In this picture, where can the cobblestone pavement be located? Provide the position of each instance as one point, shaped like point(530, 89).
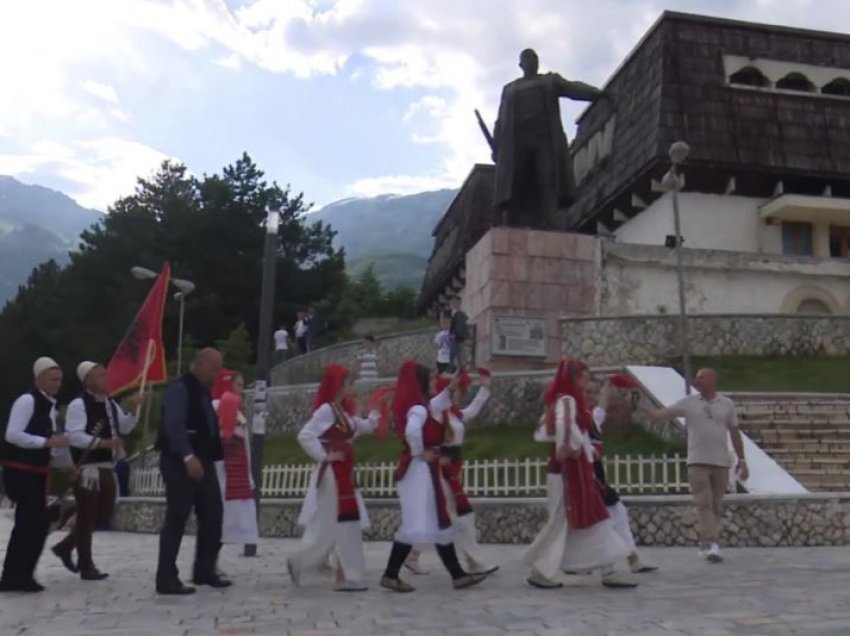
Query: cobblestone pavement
point(755, 592)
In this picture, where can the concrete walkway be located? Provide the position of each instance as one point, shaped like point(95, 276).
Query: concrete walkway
point(755, 592)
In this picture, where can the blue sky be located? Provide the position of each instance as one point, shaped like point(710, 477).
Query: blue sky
point(337, 97)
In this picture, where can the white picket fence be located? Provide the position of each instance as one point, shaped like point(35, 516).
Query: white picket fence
point(628, 474)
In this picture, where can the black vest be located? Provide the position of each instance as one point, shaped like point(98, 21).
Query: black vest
point(201, 423)
point(39, 424)
point(96, 412)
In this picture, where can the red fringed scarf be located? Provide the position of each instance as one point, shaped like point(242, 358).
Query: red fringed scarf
point(582, 498)
point(453, 474)
point(337, 439)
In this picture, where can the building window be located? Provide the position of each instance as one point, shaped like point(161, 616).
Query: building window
point(796, 82)
point(838, 86)
point(839, 242)
point(749, 76)
point(797, 239)
point(813, 306)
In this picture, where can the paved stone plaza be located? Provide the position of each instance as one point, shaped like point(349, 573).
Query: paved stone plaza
point(774, 591)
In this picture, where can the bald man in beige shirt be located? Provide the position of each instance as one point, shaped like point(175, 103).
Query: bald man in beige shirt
point(711, 420)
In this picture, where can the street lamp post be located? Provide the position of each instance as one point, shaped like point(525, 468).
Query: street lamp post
point(258, 423)
point(673, 182)
point(185, 288)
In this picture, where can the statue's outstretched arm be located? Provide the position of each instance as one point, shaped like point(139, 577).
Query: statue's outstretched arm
point(578, 90)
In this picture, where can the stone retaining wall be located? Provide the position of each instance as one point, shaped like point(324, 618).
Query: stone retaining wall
point(516, 400)
point(393, 349)
point(655, 339)
point(669, 520)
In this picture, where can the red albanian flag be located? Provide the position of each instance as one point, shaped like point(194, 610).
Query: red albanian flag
point(141, 355)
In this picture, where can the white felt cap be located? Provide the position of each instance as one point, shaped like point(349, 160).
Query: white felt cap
point(43, 364)
point(84, 368)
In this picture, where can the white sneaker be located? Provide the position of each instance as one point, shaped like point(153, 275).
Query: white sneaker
point(712, 555)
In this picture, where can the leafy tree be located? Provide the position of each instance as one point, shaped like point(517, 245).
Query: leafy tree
point(238, 352)
point(211, 229)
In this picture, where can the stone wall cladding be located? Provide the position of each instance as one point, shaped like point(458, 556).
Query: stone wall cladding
point(654, 339)
point(516, 399)
point(393, 349)
point(749, 521)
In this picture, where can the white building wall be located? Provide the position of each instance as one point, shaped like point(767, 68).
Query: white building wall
point(709, 221)
point(718, 283)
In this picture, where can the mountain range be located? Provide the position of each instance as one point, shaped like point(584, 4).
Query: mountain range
point(392, 233)
point(36, 224)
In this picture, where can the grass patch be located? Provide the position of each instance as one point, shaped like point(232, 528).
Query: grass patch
point(486, 443)
point(821, 374)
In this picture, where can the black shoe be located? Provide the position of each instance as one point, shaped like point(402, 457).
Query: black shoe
point(32, 586)
point(213, 581)
point(66, 558)
point(93, 575)
point(175, 588)
point(29, 586)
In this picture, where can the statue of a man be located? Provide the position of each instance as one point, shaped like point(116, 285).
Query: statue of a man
point(534, 177)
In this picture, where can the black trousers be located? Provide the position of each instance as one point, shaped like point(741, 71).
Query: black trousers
point(29, 492)
point(182, 494)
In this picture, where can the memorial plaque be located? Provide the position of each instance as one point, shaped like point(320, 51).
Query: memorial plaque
point(519, 336)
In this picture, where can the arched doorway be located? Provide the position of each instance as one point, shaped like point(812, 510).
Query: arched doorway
point(814, 307)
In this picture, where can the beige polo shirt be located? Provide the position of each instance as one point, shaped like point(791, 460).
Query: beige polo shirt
point(708, 423)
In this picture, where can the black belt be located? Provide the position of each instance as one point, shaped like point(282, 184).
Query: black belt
point(452, 452)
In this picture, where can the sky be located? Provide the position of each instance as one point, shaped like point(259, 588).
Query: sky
point(338, 98)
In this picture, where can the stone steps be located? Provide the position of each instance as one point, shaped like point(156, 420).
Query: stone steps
point(809, 436)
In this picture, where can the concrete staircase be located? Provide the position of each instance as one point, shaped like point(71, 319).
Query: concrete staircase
point(807, 434)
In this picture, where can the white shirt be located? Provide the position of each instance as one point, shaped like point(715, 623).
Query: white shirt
point(323, 418)
point(567, 431)
point(19, 418)
point(281, 340)
point(471, 411)
point(300, 329)
point(76, 420)
point(443, 341)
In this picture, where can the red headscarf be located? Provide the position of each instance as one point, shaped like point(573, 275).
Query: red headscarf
point(333, 381)
point(229, 402)
point(223, 382)
point(408, 393)
point(623, 381)
point(565, 383)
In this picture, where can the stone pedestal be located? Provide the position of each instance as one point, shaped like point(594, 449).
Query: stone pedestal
point(535, 274)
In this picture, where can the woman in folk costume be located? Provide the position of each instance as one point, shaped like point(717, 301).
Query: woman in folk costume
point(425, 515)
point(616, 400)
point(237, 483)
point(333, 514)
point(579, 535)
point(454, 420)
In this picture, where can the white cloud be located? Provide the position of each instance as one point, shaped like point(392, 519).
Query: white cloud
point(398, 184)
point(103, 169)
point(458, 53)
point(233, 62)
point(102, 91)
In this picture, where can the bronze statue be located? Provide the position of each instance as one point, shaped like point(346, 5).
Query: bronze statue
point(534, 177)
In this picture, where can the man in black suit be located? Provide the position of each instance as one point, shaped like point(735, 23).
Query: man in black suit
point(190, 443)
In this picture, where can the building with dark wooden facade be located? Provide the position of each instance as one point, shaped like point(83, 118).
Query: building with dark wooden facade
point(766, 113)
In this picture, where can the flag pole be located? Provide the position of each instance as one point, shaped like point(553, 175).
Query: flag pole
point(148, 362)
point(151, 354)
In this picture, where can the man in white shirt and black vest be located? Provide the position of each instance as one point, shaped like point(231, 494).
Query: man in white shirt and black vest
point(189, 443)
point(31, 444)
point(94, 423)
